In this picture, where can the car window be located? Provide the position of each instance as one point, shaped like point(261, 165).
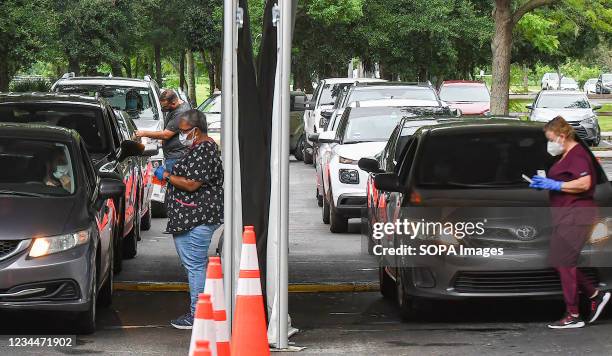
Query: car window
point(376, 128)
point(606, 77)
point(563, 101)
point(481, 159)
point(124, 126)
point(468, 93)
point(115, 131)
point(87, 121)
point(406, 158)
point(329, 92)
point(211, 105)
point(377, 93)
point(90, 174)
point(37, 167)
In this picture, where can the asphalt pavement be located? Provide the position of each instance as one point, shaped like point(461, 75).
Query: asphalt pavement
point(360, 323)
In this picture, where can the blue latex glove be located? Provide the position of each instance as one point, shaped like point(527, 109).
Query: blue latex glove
point(545, 183)
point(159, 173)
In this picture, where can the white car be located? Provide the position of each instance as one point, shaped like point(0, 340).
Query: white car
point(590, 86)
point(568, 83)
point(361, 132)
point(148, 116)
point(211, 107)
point(574, 107)
point(324, 98)
point(549, 81)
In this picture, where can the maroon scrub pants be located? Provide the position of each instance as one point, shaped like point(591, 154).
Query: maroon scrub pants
point(571, 281)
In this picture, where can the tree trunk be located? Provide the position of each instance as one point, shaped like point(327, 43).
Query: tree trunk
point(74, 66)
point(191, 80)
point(137, 67)
point(216, 58)
point(525, 78)
point(210, 70)
point(501, 47)
point(560, 77)
point(116, 69)
point(127, 64)
point(158, 67)
point(182, 81)
point(4, 76)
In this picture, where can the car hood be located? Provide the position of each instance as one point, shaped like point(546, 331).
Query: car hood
point(212, 117)
point(356, 151)
point(24, 217)
point(545, 115)
point(470, 108)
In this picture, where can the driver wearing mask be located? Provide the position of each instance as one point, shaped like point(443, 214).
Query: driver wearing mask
point(133, 101)
point(58, 171)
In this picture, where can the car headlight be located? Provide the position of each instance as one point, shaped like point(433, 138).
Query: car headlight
point(589, 121)
point(349, 176)
point(43, 246)
point(487, 113)
point(345, 160)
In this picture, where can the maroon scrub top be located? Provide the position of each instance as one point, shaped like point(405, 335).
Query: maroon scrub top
point(573, 215)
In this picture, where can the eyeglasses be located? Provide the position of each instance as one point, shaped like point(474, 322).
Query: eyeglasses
point(187, 131)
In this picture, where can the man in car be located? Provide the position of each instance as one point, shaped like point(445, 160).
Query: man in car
point(172, 147)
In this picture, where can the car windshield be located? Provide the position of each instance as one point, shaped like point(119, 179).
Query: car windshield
point(464, 93)
point(330, 92)
point(211, 105)
point(566, 80)
point(482, 159)
point(553, 76)
point(591, 81)
point(371, 128)
point(606, 77)
point(138, 102)
point(414, 93)
point(35, 168)
point(563, 101)
point(86, 120)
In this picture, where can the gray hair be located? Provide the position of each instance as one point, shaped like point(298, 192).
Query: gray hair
point(196, 118)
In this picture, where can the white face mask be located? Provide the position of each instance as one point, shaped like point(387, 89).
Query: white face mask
point(60, 171)
point(184, 140)
point(554, 148)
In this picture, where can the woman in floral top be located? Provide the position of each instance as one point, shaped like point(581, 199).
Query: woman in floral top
point(195, 203)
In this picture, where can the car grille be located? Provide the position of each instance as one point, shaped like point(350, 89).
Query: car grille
point(525, 281)
point(580, 131)
point(7, 247)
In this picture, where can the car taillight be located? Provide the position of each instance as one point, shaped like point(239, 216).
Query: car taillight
point(415, 198)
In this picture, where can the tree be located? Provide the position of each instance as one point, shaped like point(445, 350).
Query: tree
point(23, 37)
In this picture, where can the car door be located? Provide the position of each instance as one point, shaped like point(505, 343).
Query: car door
point(105, 216)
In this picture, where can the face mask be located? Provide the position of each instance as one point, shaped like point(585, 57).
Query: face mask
point(554, 148)
point(60, 171)
point(184, 140)
point(131, 104)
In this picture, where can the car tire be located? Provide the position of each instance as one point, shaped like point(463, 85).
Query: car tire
point(597, 140)
point(307, 156)
point(298, 153)
point(130, 244)
point(319, 199)
point(105, 296)
point(145, 221)
point(159, 209)
point(407, 310)
point(85, 322)
point(338, 223)
point(386, 283)
point(325, 211)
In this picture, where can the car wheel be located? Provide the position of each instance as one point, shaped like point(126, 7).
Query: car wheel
point(85, 322)
point(105, 297)
point(145, 222)
point(325, 211)
point(386, 283)
point(338, 223)
point(159, 209)
point(130, 245)
point(299, 149)
point(405, 302)
point(307, 156)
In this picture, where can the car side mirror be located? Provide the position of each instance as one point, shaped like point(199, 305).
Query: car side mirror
point(596, 106)
point(529, 106)
point(456, 112)
point(388, 182)
point(108, 170)
point(107, 189)
point(369, 165)
point(130, 148)
point(298, 103)
point(150, 150)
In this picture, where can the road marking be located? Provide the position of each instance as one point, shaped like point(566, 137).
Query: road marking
point(135, 286)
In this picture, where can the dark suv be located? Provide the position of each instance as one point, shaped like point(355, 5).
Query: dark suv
point(96, 122)
point(469, 174)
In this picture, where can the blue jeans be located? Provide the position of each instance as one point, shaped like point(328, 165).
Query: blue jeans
point(192, 248)
point(170, 164)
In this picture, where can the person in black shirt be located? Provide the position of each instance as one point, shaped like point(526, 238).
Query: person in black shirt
point(172, 147)
point(195, 203)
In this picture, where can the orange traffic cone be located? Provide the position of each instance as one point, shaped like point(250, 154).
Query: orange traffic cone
point(203, 325)
point(249, 334)
point(214, 287)
point(201, 348)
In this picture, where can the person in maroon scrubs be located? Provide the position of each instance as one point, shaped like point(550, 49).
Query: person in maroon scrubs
point(571, 184)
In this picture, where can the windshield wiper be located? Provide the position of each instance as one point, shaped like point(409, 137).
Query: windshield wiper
point(22, 194)
point(350, 142)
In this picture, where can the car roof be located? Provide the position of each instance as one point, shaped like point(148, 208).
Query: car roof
point(38, 131)
point(463, 83)
point(561, 92)
point(57, 98)
point(495, 123)
point(393, 102)
point(111, 81)
point(351, 80)
point(421, 85)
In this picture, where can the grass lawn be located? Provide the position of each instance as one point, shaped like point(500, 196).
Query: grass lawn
point(605, 122)
point(201, 92)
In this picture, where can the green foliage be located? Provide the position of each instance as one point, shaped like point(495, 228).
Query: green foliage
point(333, 11)
point(30, 85)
